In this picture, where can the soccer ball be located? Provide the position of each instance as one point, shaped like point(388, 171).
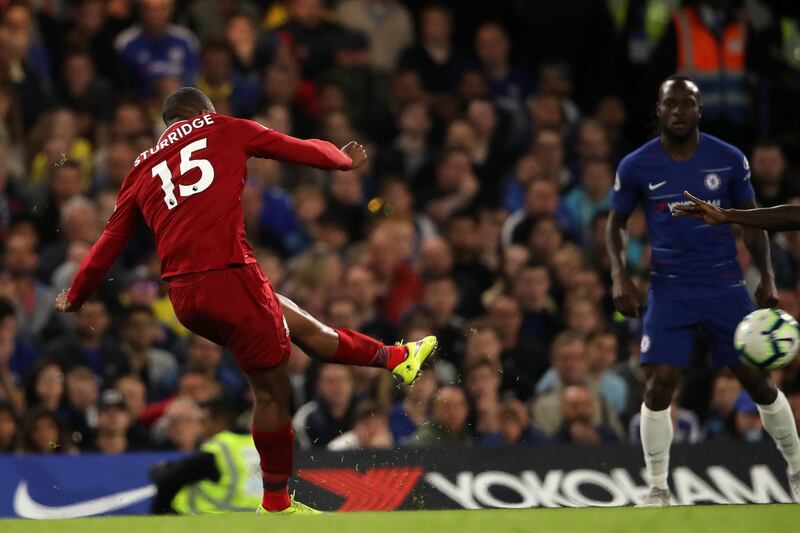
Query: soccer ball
point(767, 339)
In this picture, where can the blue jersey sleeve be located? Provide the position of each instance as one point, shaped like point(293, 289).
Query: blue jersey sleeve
point(742, 192)
point(625, 196)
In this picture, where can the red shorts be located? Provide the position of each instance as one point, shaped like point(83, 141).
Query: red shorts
point(237, 309)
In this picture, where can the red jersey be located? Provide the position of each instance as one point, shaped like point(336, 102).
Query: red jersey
point(188, 189)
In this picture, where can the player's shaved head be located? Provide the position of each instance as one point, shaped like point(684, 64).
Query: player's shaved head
point(677, 80)
point(185, 103)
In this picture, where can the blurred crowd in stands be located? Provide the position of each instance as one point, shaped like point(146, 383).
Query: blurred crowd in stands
point(494, 128)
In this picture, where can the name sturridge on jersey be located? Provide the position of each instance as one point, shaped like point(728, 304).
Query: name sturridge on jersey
point(176, 134)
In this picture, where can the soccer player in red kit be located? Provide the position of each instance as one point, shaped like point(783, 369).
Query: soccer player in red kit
point(187, 188)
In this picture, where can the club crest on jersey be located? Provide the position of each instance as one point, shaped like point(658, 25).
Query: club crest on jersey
point(645, 343)
point(712, 182)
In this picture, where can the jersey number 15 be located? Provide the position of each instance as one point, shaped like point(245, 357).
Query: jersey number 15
point(187, 163)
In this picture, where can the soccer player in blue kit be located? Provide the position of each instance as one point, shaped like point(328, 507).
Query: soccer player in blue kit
point(695, 281)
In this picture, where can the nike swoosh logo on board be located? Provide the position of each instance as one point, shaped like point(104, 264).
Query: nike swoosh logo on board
point(26, 507)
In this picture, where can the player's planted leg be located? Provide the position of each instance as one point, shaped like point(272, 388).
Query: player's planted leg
point(776, 417)
point(348, 347)
point(656, 430)
point(274, 439)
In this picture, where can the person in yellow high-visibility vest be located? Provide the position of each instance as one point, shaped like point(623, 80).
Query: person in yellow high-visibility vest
point(223, 476)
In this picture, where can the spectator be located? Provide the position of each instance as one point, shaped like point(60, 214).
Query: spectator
point(545, 238)
point(482, 378)
point(470, 269)
point(320, 421)
point(360, 285)
point(81, 404)
point(512, 258)
point(386, 23)
point(434, 56)
point(16, 358)
point(515, 428)
point(86, 93)
point(527, 170)
point(209, 18)
point(570, 364)
point(134, 393)
point(204, 356)
point(578, 412)
point(601, 349)
point(139, 332)
point(231, 92)
point(406, 416)
point(483, 342)
point(409, 153)
point(45, 386)
point(524, 360)
point(9, 429)
point(582, 315)
point(548, 148)
point(540, 316)
point(724, 393)
point(441, 298)
point(43, 433)
point(370, 430)
point(592, 196)
point(113, 423)
point(90, 343)
point(541, 200)
point(32, 298)
point(448, 423)
point(400, 287)
point(772, 180)
point(744, 423)
point(79, 224)
point(508, 86)
point(241, 34)
point(61, 141)
point(308, 32)
point(346, 203)
point(181, 427)
point(154, 48)
point(453, 188)
point(18, 71)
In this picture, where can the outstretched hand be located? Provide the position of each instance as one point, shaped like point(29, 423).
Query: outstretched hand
point(62, 302)
point(702, 210)
point(356, 153)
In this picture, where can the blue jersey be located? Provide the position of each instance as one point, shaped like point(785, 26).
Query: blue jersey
point(176, 53)
point(690, 259)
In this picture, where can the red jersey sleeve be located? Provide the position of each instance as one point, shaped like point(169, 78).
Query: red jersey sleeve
point(260, 141)
point(120, 228)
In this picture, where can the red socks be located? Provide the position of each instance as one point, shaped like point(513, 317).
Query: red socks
point(360, 350)
point(276, 450)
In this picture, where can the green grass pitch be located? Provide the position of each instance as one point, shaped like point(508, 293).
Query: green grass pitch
point(729, 519)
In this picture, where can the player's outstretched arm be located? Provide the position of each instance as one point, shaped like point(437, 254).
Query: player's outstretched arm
point(264, 142)
point(625, 293)
point(91, 272)
point(122, 225)
point(779, 218)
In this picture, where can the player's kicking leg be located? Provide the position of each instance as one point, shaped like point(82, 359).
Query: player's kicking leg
point(656, 429)
point(776, 417)
point(347, 347)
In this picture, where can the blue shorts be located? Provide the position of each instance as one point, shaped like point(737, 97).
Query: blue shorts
point(670, 326)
